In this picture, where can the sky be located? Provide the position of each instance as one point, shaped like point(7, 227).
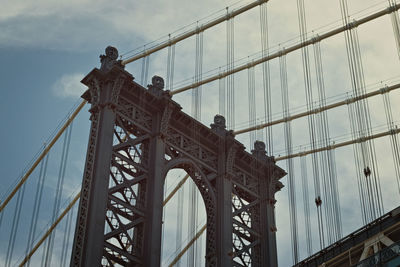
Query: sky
point(47, 47)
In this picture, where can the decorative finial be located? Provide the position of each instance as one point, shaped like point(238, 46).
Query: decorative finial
point(260, 152)
point(259, 146)
point(157, 85)
point(219, 124)
point(110, 59)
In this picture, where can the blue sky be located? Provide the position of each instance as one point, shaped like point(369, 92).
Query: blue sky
point(47, 47)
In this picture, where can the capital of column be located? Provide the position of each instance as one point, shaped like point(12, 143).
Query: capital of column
point(104, 84)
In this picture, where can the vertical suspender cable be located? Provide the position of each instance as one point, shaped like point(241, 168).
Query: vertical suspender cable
point(170, 67)
point(169, 85)
point(179, 222)
point(14, 227)
point(37, 204)
point(230, 88)
point(338, 216)
point(145, 69)
point(311, 117)
point(266, 76)
point(252, 103)
point(327, 160)
point(192, 211)
point(394, 141)
point(221, 97)
point(196, 112)
point(290, 167)
point(58, 196)
point(365, 210)
point(355, 116)
point(396, 25)
point(163, 220)
point(67, 236)
point(366, 155)
point(306, 204)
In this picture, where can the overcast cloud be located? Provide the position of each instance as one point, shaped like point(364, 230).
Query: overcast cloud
point(89, 26)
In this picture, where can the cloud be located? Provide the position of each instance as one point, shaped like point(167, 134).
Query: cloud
point(81, 25)
point(69, 85)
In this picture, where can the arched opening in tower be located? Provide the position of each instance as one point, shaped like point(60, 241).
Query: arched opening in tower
point(184, 221)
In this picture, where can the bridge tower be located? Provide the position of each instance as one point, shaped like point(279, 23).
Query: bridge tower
point(137, 135)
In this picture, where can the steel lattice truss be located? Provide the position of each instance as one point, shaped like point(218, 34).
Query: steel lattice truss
point(137, 135)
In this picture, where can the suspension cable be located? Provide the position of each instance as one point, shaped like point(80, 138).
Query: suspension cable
point(302, 154)
point(191, 242)
point(179, 220)
point(289, 162)
point(71, 204)
point(266, 76)
point(320, 109)
point(221, 97)
point(58, 195)
point(42, 155)
point(66, 239)
point(252, 103)
point(396, 25)
point(288, 50)
point(327, 160)
point(14, 227)
point(307, 224)
point(342, 144)
point(311, 118)
point(37, 204)
point(170, 67)
point(195, 31)
point(173, 192)
point(230, 83)
point(394, 141)
point(145, 71)
point(49, 231)
point(366, 155)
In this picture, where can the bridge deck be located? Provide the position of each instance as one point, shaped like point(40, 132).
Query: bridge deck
point(348, 250)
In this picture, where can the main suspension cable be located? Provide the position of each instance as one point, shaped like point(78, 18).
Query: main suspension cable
point(288, 50)
point(193, 32)
point(321, 108)
point(42, 155)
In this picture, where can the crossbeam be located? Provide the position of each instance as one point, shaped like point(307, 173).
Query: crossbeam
point(198, 29)
point(290, 49)
point(382, 90)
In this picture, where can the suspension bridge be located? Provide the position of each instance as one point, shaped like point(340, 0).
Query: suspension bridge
point(285, 153)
